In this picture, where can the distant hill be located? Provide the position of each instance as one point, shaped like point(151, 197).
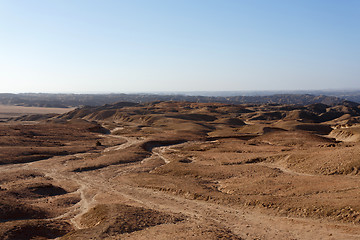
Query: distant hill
point(346, 112)
point(77, 100)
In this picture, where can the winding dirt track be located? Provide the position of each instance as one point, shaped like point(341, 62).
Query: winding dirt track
point(281, 165)
point(247, 223)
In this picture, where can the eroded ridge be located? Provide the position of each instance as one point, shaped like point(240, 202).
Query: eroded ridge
point(183, 171)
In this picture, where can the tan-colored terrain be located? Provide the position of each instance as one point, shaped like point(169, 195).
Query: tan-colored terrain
point(11, 111)
point(180, 170)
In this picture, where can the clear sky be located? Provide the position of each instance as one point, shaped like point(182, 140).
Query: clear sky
point(178, 45)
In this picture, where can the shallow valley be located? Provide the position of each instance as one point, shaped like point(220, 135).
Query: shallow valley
point(182, 170)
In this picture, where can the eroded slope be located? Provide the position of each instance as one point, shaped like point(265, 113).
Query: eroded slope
point(155, 170)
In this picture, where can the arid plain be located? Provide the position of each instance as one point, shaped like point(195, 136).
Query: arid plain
point(182, 170)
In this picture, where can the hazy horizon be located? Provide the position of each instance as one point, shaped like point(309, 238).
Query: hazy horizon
point(330, 92)
point(186, 46)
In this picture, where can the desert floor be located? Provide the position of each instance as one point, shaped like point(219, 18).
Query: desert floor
point(170, 170)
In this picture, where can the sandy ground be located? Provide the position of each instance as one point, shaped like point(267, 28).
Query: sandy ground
point(164, 178)
point(108, 186)
point(8, 111)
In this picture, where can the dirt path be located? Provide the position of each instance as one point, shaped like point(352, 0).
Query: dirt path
point(283, 167)
point(247, 223)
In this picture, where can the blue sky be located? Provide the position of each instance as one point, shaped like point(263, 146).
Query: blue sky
point(198, 45)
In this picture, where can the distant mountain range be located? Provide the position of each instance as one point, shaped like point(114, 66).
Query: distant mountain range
point(77, 100)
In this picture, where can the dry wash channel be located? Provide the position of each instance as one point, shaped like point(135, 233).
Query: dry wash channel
point(171, 170)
